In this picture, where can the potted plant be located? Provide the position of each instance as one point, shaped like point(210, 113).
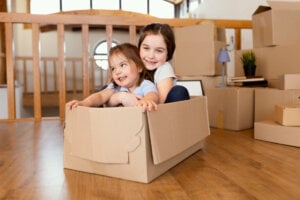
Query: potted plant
point(248, 59)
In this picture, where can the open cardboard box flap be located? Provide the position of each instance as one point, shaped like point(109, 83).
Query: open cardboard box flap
point(108, 135)
point(174, 130)
point(103, 136)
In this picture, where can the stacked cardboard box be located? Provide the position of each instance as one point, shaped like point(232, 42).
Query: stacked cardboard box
point(231, 108)
point(277, 113)
point(197, 48)
point(276, 41)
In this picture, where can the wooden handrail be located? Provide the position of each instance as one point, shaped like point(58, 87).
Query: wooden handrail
point(83, 19)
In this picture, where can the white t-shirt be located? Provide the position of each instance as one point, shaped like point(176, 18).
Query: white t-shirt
point(164, 71)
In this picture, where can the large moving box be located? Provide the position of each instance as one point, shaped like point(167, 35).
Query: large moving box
point(231, 108)
point(125, 143)
point(197, 49)
point(271, 131)
point(267, 98)
point(276, 25)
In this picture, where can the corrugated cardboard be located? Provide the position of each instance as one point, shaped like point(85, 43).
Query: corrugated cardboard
point(278, 24)
point(267, 98)
point(272, 62)
point(289, 81)
point(287, 114)
point(231, 108)
point(197, 50)
point(272, 132)
point(125, 143)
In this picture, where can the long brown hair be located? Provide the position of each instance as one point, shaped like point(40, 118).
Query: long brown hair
point(166, 31)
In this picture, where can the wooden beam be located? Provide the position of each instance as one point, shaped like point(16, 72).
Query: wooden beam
point(36, 72)
point(3, 8)
point(10, 71)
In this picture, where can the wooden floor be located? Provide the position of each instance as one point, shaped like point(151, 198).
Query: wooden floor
point(232, 165)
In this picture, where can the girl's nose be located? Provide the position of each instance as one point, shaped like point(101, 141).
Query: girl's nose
point(151, 54)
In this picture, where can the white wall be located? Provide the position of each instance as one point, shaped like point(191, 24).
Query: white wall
point(227, 9)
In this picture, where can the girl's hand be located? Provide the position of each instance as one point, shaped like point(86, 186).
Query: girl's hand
point(73, 104)
point(122, 98)
point(147, 105)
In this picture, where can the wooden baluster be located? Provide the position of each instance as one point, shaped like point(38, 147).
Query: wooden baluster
point(62, 71)
point(45, 76)
point(55, 75)
point(109, 35)
point(36, 72)
point(25, 88)
point(10, 72)
point(85, 61)
point(74, 80)
point(92, 88)
point(132, 34)
point(237, 32)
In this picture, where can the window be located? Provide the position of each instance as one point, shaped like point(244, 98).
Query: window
point(101, 54)
point(157, 8)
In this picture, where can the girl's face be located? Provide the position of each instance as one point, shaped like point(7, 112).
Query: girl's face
point(153, 51)
point(124, 72)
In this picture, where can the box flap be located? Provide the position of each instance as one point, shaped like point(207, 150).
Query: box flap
point(177, 126)
point(284, 5)
point(106, 134)
point(261, 9)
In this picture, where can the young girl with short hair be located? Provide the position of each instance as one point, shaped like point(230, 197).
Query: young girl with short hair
point(128, 86)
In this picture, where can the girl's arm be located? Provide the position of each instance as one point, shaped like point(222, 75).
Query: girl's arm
point(96, 99)
point(122, 98)
point(163, 88)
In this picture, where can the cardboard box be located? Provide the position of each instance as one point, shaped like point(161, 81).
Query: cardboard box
point(267, 98)
point(287, 114)
point(125, 143)
point(231, 108)
point(272, 62)
point(197, 50)
point(289, 81)
point(278, 24)
point(272, 132)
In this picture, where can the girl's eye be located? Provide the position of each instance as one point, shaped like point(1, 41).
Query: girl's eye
point(112, 69)
point(160, 50)
point(146, 48)
point(122, 65)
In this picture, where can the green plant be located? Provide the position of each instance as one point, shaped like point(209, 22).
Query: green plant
point(248, 58)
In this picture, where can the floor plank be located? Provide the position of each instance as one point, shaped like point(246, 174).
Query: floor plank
point(232, 165)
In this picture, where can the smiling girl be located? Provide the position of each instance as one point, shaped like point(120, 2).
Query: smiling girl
point(128, 86)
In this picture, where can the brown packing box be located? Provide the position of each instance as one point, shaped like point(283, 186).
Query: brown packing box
point(289, 81)
point(278, 24)
point(272, 62)
point(287, 114)
point(231, 108)
point(197, 49)
point(271, 131)
point(125, 143)
point(267, 98)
